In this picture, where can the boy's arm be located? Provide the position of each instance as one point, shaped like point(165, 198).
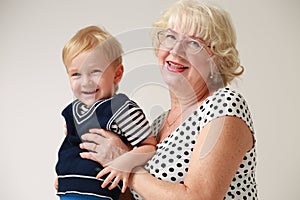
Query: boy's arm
point(121, 167)
point(140, 155)
point(130, 121)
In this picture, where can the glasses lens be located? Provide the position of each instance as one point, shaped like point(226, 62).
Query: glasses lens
point(193, 46)
point(167, 39)
point(160, 36)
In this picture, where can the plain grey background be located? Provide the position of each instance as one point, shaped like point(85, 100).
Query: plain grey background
point(34, 86)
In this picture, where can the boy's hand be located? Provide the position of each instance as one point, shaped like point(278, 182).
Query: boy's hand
point(56, 184)
point(65, 129)
point(114, 178)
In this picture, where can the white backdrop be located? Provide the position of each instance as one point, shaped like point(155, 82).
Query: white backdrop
point(34, 86)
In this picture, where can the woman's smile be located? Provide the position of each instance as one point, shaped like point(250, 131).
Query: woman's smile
point(175, 67)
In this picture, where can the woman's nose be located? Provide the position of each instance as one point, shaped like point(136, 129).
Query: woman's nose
point(178, 49)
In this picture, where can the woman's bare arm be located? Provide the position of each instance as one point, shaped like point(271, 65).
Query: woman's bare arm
point(210, 172)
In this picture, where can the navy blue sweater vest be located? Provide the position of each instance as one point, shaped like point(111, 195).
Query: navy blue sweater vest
point(77, 175)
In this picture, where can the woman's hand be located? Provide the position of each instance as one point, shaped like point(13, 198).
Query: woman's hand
point(103, 146)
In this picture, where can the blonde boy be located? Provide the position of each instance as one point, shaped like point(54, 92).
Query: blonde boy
point(94, 65)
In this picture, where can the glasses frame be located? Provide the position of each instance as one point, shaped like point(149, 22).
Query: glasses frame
point(186, 38)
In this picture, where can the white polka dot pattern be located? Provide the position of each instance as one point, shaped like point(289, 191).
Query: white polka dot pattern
point(171, 161)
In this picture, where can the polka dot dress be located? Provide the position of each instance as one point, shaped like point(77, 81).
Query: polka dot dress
point(171, 161)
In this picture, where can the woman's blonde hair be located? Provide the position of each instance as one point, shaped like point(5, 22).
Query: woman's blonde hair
point(90, 38)
point(211, 24)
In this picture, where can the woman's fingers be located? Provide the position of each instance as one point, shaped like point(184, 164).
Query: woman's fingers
point(104, 133)
point(95, 138)
point(103, 146)
point(95, 153)
point(89, 146)
point(88, 155)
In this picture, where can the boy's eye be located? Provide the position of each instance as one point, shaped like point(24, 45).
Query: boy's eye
point(96, 71)
point(75, 74)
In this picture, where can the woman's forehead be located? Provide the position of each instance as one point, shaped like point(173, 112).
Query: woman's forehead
point(190, 27)
point(186, 30)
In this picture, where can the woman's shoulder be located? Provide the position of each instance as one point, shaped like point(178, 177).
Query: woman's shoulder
point(225, 99)
point(226, 102)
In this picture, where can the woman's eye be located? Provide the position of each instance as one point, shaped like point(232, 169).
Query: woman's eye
point(194, 44)
point(170, 37)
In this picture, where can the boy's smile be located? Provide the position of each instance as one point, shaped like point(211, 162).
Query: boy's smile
point(91, 79)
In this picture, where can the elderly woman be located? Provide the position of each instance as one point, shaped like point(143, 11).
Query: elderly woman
point(206, 144)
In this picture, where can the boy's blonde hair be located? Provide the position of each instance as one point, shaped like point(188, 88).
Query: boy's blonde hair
point(212, 25)
point(90, 38)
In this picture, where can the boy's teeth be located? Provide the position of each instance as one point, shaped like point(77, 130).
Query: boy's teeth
point(91, 92)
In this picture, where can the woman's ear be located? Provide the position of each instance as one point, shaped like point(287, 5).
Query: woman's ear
point(118, 73)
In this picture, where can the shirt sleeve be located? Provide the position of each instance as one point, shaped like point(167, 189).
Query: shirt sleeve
point(131, 122)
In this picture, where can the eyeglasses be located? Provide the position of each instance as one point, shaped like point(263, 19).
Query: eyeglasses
point(168, 40)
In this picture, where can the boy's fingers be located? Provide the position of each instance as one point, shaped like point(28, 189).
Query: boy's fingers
point(103, 172)
point(125, 185)
point(56, 184)
point(108, 179)
point(114, 183)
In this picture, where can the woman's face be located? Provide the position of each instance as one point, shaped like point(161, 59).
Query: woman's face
point(184, 66)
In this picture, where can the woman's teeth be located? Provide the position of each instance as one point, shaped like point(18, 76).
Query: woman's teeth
point(175, 66)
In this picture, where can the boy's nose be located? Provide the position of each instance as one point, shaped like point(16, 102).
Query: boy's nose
point(87, 80)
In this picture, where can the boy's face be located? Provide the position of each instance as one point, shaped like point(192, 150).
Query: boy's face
point(92, 78)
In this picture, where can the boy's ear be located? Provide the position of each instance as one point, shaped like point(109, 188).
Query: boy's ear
point(118, 73)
